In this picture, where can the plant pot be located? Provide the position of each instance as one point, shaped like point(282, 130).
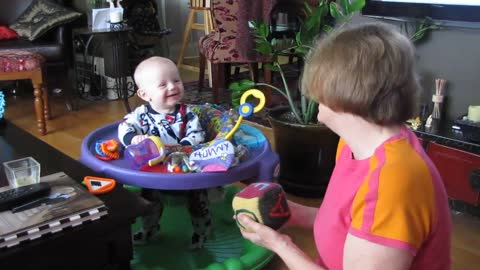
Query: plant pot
point(307, 155)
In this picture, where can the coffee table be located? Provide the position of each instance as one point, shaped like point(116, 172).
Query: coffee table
point(102, 244)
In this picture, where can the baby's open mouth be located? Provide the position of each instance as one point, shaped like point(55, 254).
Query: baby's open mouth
point(172, 95)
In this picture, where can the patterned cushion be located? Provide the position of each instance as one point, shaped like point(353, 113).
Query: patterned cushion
point(41, 16)
point(7, 33)
point(17, 60)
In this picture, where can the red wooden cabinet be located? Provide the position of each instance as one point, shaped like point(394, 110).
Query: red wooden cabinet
point(455, 167)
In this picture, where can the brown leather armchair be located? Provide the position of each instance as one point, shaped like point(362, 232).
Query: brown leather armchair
point(55, 45)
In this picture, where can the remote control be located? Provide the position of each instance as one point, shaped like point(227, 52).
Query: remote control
point(17, 196)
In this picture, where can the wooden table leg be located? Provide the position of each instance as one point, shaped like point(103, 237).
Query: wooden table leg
point(37, 81)
point(46, 105)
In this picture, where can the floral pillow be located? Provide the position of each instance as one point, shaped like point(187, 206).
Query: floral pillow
point(7, 33)
point(41, 16)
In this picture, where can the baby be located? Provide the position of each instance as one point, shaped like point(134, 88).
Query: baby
point(159, 84)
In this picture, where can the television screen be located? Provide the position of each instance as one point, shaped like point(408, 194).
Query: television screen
point(442, 10)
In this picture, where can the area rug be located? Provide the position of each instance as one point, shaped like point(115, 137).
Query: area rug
point(193, 96)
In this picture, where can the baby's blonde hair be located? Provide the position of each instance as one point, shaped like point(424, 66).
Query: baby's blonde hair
point(366, 70)
point(147, 64)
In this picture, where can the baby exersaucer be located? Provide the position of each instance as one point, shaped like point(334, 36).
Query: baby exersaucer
point(260, 164)
point(233, 252)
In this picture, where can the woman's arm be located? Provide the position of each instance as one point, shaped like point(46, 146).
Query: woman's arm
point(361, 254)
point(358, 253)
point(301, 215)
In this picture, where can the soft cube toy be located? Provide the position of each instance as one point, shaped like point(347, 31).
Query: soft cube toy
point(263, 202)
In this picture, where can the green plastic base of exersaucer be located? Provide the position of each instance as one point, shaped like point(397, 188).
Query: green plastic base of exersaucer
point(225, 249)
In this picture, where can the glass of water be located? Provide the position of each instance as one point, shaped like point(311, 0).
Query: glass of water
point(21, 172)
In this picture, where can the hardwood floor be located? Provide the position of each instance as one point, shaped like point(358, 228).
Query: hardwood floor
point(66, 131)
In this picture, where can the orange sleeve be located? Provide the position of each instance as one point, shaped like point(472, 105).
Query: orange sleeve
point(341, 144)
point(395, 204)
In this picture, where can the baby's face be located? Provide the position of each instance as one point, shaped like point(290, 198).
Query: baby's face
point(163, 86)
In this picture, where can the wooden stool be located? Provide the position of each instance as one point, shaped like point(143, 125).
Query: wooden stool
point(18, 65)
point(196, 7)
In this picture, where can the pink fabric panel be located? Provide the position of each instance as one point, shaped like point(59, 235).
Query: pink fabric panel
point(231, 40)
point(17, 60)
point(251, 10)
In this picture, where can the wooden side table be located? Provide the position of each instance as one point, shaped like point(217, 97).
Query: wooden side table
point(114, 49)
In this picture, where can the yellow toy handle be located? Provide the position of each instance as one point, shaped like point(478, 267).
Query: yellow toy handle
point(246, 110)
point(156, 140)
point(256, 93)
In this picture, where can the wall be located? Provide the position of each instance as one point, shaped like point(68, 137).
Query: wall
point(452, 53)
point(176, 16)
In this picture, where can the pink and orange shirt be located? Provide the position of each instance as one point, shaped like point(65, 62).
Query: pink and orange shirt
point(395, 198)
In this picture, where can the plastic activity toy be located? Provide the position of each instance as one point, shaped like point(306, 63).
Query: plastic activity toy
point(258, 163)
point(263, 202)
point(99, 185)
point(107, 149)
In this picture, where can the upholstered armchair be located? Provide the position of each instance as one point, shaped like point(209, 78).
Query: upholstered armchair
point(231, 41)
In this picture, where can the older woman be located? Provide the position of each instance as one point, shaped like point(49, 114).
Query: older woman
point(385, 206)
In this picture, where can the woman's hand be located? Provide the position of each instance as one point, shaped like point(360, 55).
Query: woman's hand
point(262, 235)
point(138, 138)
point(281, 244)
point(302, 216)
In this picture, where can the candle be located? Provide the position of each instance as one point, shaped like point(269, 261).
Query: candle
point(474, 113)
point(116, 16)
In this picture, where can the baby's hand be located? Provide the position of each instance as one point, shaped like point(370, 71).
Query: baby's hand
point(138, 138)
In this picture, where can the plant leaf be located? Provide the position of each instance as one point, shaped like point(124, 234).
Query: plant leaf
point(301, 50)
point(264, 48)
point(242, 85)
point(345, 6)
point(327, 28)
point(263, 30)
point(274, 42)
point(334, 11)
point(356, 5)
point(308, 8)
point(238, 88)
point(271, 67)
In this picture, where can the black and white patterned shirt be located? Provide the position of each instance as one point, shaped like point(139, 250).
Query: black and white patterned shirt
point(180, 127)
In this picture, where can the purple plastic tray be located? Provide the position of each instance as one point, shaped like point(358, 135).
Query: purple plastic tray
point(260, 164)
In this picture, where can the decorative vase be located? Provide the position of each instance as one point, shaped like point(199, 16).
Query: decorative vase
point(307, 155)
point(91, 5)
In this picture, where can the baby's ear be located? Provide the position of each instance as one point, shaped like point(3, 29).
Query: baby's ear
point(142, 94)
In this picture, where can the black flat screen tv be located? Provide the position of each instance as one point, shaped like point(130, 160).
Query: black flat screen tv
point(439, 10)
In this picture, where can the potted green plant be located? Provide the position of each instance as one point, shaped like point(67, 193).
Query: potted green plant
point(306, 148)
